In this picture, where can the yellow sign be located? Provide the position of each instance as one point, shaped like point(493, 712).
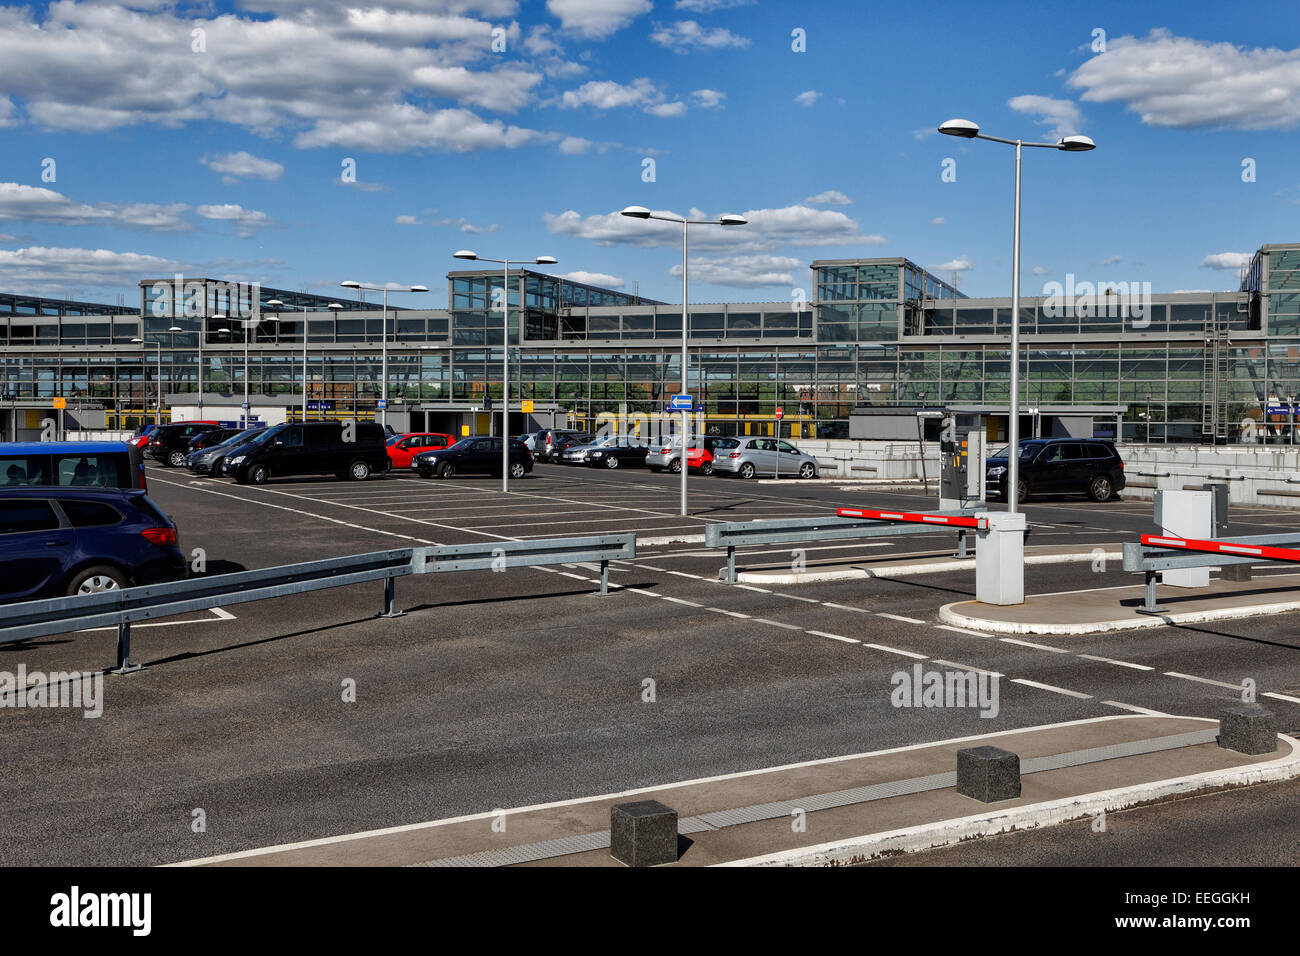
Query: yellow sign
point(60, 403)
point(527, 407)
point(464, 431)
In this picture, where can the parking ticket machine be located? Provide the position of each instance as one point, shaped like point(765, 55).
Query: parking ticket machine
point(961, 455)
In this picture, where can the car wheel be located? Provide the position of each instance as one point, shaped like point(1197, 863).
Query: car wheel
point(446, 470)
point(611, 461)
point(806, 470)
point(706, 469)
point(1022, 490)
point(176, 459)
point(1101, 489)
point(258, 474)
point(747, 470)
point(97, 580)
point(675, 466)
point(517, 470)
point(358, 471)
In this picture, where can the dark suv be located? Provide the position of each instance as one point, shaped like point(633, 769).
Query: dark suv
point(354, 450)
point(1088, 466)
point(169, 444)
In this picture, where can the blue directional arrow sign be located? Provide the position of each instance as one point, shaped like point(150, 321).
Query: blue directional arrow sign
point(681, 403)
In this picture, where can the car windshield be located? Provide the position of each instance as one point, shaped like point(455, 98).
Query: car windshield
point(394, 440)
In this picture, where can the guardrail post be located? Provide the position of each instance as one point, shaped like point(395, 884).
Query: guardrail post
point(390, 599)
point(1151, 607)
point(604, 577)
point(731, 564)
point(124, 665)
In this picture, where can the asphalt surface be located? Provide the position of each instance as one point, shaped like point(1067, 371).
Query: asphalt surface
point(509, 689)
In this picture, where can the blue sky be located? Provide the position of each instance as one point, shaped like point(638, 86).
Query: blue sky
point(222, 152)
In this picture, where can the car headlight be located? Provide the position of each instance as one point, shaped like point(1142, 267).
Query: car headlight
point(236, 460)
point(596, 454)
point(997, 472)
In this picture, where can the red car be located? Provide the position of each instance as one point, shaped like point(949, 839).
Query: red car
point(402, 448)
point(699, 459)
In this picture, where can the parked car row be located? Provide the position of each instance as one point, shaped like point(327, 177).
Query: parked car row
point(742, 457)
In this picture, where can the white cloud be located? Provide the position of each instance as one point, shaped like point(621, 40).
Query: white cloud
point(808, 98)
point(407, 221)
point(464, 225)
point(1226, 260)
point(324, 71)
point(709, 6)
point(767, 230)
point(6, 112)
point(603, 279)
point(641, 93)
point(1062, 116)
point(22, 203)
point(574, 145)
point(1040, 271)
point(831, 197)
point(243, 165)
point(247, 221)
point(708, 99)
point(1181, 82)
point(69, 271)
point(960, 264)
point(744, 272)
point(597, 19)
point(685, 35)
point(938, 221)
point(924, 133)
point(1112, 260)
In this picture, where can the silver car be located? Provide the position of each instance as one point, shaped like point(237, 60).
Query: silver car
point(666, 452)
point(763, 456)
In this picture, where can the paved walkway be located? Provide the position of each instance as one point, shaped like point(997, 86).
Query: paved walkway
point(1116, 609)
point(844, 833)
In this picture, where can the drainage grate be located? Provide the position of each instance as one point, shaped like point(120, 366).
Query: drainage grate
point(546, 849)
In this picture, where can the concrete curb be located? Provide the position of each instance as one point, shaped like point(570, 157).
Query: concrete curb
point(1051, 813)
point(948, 615)
point(900, 570)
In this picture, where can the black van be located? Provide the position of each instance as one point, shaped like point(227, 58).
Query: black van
point(354, 450)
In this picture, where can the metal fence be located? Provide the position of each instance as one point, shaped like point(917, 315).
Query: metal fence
point(1156, 553)
point(31, 619)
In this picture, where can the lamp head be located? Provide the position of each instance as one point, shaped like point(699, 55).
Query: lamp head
point(546, 260)
point(351, 284)
point(464, 254)
point(274, 302)
point(419, 288)
point(733, 220)
point(960, 127)
point(1076, 144)
point(636, 212)
point(334, 305)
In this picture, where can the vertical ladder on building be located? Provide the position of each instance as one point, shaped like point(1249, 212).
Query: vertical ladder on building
point(1215, 387)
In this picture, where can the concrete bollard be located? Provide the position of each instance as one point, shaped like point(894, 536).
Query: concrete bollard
point(988, 774)
point(643, 833)
point(1248, 729)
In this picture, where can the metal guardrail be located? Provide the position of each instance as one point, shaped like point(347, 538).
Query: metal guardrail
point(31, 619)
point(1151, 559)
point(734, 534)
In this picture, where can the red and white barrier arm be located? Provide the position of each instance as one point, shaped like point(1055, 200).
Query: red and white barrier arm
point(1261, 551)
point(955, 521)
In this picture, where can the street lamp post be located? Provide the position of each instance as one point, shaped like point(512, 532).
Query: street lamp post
point(158, 379)
point(383, 371)
point(1070, 144)
point(641, 212)
point(250, 324)
point(505, 348)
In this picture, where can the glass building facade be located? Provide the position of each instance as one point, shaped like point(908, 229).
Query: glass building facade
point(1178, 367)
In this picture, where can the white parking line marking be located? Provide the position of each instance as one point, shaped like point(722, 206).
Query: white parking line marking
point(1293, 700)
point(1054, 690)
point(788, 627)
point(967, 667)
point(1037, 647)
point(1203, 680)
point(677, 600)
point(895, 650)
point(797, 597)
point(1136, 710)
point(845, 607)
point(961, 630)
point(900, 617)
point(1111, 660)
point(835, 637)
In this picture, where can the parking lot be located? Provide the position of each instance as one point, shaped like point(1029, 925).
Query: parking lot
point(510, 689)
